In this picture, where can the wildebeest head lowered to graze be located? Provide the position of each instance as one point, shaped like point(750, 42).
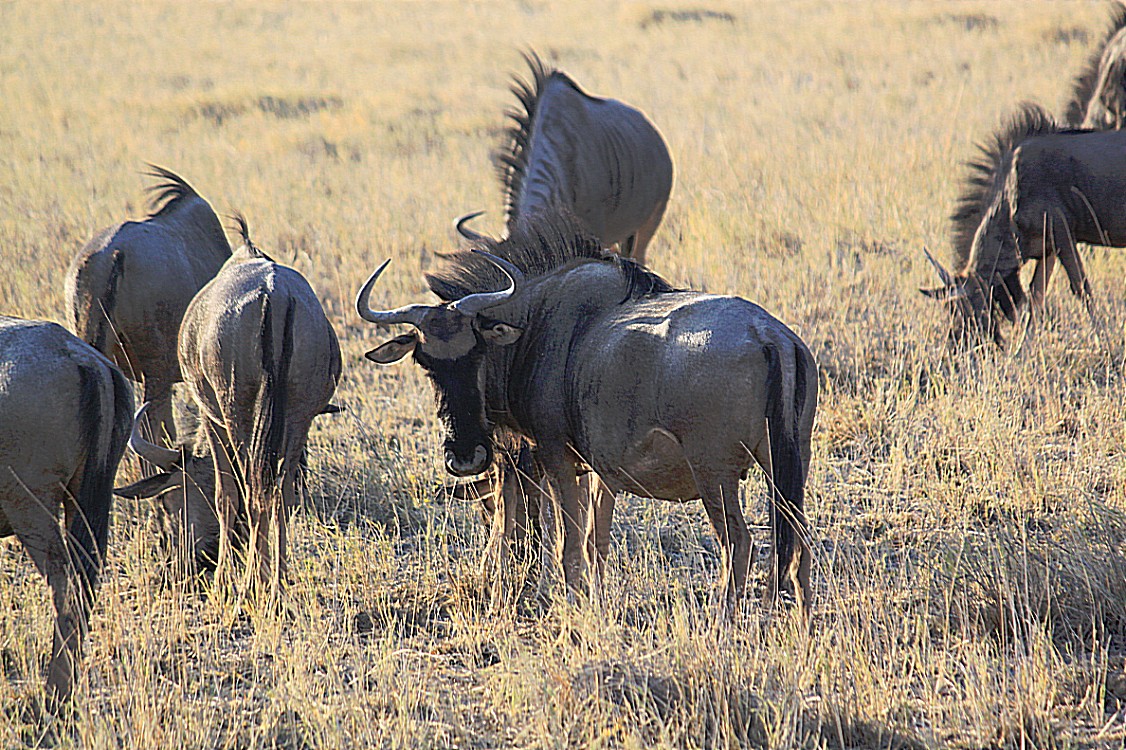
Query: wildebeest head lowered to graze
point(128, 288)
point(1098, 99)
point(545, 357)
point(64, 421)
point(598, 159)
point(1038, 191)
point(261, 361)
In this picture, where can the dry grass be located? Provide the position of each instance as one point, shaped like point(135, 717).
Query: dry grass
point(968, 514)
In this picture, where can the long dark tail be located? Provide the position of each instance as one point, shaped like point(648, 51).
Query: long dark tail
point(106, 429)
point(267, 440)
point(784, 412)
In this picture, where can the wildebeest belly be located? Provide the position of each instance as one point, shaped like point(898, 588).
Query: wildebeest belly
point(5, 527)
point(653, 467)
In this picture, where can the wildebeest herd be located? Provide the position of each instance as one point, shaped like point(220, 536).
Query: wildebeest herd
point(525, 352)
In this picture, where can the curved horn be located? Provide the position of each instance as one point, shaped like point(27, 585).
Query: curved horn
point(475, 303)
point(151, 452)
point(469, 234)
point(411, 314)
point(947, 278)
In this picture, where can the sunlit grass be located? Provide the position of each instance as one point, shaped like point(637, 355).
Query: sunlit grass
point(970, 585)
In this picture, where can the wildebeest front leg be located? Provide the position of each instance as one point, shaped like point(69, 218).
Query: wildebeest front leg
point(571, 509)
point(599, 520)
point(1040, 278)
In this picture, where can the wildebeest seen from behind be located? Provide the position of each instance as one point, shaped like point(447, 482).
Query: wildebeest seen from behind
point(260, 360)
point(1040, 190)
point(543, 359)
point(128, 288)
point(1098, 98)
point(64, 421)
point(598, 159)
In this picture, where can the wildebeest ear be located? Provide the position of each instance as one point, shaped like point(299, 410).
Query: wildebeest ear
point(501, 334)
point(147, 487)
point(393, 350)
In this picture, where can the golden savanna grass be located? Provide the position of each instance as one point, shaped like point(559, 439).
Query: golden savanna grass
point(967, 513)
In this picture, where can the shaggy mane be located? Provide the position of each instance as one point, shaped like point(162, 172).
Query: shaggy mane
point(1085, 83)
point(166, 196)
point(511, 158)
point(536, 247)
point(987, 173)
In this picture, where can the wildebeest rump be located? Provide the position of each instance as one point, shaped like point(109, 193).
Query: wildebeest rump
point(1041, 190)
point(64, 421)
point(128, 288)
point(1098, 98)
point(261, 360)
point(545, 360)
point(597, 159)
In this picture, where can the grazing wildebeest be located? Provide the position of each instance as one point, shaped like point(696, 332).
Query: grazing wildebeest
point(1098, 99)
point(64, 422)
point(127, 289)
point(1040, 190)
point(261, 360)
point(598, 159)
point(544, 358)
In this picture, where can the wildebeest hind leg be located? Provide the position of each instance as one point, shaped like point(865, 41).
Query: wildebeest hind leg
point(39, 533)
point(720, 494)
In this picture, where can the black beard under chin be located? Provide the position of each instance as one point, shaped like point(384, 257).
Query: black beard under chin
point(461, 405)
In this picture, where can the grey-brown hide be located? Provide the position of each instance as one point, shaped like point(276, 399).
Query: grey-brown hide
point(1098, 98)
point(64, 421)
point(655, 428)
point(600, 160)
point(1042, 190)
point(128, 288)
point(260, 360)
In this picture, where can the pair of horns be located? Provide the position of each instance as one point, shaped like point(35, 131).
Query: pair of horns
point(468, 305)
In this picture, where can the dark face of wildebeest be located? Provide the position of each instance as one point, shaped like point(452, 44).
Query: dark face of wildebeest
point(449, 343)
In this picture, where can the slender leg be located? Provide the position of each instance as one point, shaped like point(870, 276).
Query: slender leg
point(161, 427)
point(601, 516)
point(571, 507)
point(720, 495)
point(228, 491)
point(1040, 277)
point(785, 474)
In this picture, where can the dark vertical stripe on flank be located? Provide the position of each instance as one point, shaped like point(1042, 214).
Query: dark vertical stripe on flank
point(800, 384)
point(108, 302)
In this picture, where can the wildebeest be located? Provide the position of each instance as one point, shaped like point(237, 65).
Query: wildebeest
point(544, 358)
point(1040, 189)
point(598, 159)
point(64, 421)
point(127, 289)
point(261, 360)
point(1098, 99)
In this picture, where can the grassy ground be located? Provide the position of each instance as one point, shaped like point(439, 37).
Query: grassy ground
point(968, 514)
